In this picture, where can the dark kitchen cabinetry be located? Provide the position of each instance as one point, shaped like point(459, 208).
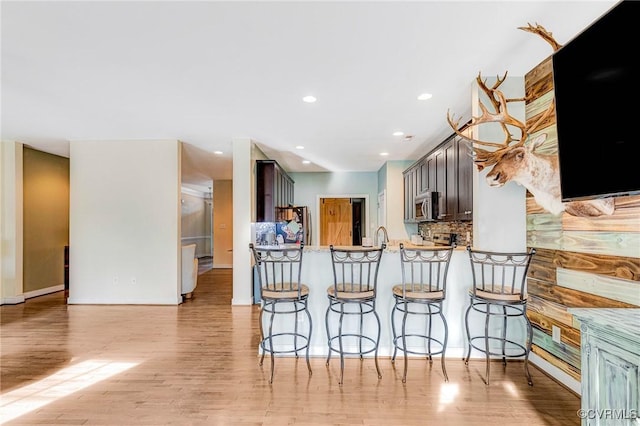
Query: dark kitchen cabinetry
point(464, 206)
point(421, 177)
point(448, 169)
point(274, 188)
point(423, 173)
point(411, 184)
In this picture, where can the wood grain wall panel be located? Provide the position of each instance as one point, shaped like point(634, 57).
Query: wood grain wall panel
point(569, 335)
point(627, 268)
point(622, 220)
point(535, 110)
point(544, 222)
point(532, 206)
point(606, 243)
point(612, 288)
point(542, 86)
point(545, 239)
point(543, 272)
point(556, 362)
point(550, 144)
point(571, 298)
point(544, 255)
point(629, 201)
point(543, 69)
point(554, 311)
point(568, 353)
point(542, 267)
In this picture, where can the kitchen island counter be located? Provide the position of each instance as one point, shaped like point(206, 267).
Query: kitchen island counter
point(317, 274)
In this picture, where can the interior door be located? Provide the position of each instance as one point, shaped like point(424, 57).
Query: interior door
point(335, 222)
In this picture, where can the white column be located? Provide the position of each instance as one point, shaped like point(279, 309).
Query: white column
point(11, 223)
point(499, 214)
point(242, 202)
point(124, 222)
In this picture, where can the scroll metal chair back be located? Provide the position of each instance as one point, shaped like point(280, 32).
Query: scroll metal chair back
point(499, 290)
point(353, 294)
point(421, 293)
point(282, 293)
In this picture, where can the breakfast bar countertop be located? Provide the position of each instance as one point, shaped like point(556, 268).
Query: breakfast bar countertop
point(317, 274)
point(394, 247)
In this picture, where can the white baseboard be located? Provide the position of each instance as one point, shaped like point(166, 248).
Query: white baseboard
point(241, 302)
point(222, 266)
point(556, 373)
point(13, 300)
point(43, 291)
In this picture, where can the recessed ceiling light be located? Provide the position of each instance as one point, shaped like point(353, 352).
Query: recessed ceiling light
point(424, 96)
point(398, 133)
point(384, 154)
point(299, 147)
point(306, 162)
point(217, 152)
point(309, 99)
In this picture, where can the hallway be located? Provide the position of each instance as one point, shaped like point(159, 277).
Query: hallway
point(197, 364)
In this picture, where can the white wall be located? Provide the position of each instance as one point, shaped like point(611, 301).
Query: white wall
point(396, 227)
point(499, 214)
point(124, 225)
point(308, 186)
point(11, 286)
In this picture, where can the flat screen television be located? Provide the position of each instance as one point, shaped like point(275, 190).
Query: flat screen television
point(597, 94)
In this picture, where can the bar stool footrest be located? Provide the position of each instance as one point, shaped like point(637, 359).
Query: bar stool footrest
point(522, 350)
point(301, 345)
point(440, 349)
point(334, 344)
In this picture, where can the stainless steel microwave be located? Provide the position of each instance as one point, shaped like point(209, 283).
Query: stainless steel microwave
point(426, 206)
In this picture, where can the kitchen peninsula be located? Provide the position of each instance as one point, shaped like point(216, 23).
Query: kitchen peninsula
point(317, 274)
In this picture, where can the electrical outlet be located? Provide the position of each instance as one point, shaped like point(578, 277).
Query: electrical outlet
point(555, 334)
point(133, 280)
point(115, 280)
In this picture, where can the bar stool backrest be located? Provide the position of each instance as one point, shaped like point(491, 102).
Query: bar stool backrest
point(279, 270)
point(424, 270)
point(355, 271)
point(499, 274)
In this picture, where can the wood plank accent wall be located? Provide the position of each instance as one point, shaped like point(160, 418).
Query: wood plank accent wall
point(580, 262)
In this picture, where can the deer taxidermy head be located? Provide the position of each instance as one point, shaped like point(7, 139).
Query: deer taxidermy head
point(515, 158)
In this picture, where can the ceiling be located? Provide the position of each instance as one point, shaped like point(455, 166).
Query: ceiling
point(206, 72)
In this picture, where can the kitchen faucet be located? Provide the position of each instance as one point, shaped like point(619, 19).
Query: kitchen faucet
point(385, 238)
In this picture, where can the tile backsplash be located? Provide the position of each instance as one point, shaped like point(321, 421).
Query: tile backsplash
point(427, 229)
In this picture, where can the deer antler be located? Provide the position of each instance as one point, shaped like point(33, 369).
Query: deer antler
point(542, 32)
point(500, 115)
point(482, 157)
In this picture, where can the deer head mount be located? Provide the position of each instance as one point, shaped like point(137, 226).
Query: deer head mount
point(516, 159)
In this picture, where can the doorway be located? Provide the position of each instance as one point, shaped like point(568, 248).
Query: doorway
point(342, 220)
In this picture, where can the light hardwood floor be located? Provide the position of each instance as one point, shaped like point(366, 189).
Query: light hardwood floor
point(197, 364)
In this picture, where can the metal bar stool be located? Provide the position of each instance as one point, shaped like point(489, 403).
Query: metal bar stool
point(422, 293)
point(352, 296)
point(282, 293)
point(499, 291)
